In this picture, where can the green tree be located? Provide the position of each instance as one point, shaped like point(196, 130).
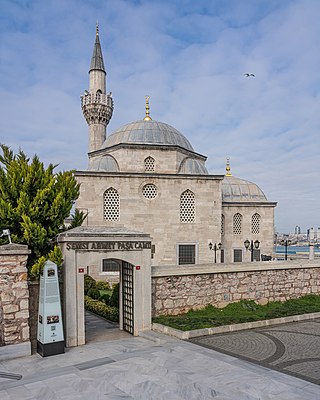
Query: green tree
point(34, 201)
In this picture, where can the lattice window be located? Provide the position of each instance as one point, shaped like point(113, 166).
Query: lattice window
point(187, 254)
point(111, 205)
point(150, 191)
point(222, 224)
point(149, 164)
point(110, 265)
point(237, 222)
point(255, 223)
point(237, 255)
point(187, 207)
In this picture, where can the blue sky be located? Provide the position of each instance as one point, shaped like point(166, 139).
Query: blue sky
point(190, 57)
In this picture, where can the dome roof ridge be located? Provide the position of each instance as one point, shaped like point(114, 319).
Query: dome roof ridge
point(148, 132)
point(236, 189)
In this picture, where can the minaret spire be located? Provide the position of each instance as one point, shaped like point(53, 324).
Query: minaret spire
point(147, 117)
point(97, 58)
point(228, 170)
point(97, 105)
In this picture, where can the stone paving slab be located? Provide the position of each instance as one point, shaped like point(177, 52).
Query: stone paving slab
point(290, 348)
point(151, 368)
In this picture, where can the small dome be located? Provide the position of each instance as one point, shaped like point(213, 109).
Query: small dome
point(148, 132)
point(193, 167)
point(236, 189)
point(105, 163)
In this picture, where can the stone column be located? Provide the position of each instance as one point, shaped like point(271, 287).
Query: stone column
point(14, 302)
point(311, 250)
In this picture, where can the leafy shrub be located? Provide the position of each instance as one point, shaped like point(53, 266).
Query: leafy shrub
point(102, 285)
point(94, 293)
point(114, 300)
point(105, 298)
point(54, 255)
point(100, 308)
point(89, 283)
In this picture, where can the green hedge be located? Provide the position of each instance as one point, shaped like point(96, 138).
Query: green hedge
point(100, 308)
point(102, 285)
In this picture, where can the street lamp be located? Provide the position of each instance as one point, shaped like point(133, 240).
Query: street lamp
point(6, 232)
point(285, 243)
point(251, 246)
point(215, 247)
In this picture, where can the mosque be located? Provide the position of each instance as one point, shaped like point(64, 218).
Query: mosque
point(146, 177)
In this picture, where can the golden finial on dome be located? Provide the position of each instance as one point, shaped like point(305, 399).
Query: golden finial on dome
point(228, 173)
point(147, 117)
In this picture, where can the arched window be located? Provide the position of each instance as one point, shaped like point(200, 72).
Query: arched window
point(187, 207)
point(255, 223)
point(111, 205)
point(98, 95)
point(237, 224)
point(149, 164)
point(222, 224)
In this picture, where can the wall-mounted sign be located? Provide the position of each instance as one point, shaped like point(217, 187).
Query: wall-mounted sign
point(111, 246)
point(50, 340)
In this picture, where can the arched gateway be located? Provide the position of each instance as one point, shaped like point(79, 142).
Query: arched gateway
point(87, 249)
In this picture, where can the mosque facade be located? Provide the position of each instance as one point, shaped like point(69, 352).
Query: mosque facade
point(147, 177)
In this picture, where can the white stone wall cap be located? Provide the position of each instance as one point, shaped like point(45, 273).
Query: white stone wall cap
point(178, 270)
point(14, 249)
point(102, 231)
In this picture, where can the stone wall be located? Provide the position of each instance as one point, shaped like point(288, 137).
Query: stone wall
point(173, 294)
point(14, 295)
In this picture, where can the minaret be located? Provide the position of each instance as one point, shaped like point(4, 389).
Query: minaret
point(97, 106)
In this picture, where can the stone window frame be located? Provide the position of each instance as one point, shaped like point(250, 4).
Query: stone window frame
point(187, 207)
point(185, 245)
point(255, 223)
point(111, 205)
point(223, 224)
point(237, 255)
point(237, 224)
point(149, 191)
point(149, 164)
point(114, 265)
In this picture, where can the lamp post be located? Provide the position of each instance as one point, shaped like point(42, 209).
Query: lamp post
point(215, 247)
point(251, 246)
point(6, 232)
point(285, 243)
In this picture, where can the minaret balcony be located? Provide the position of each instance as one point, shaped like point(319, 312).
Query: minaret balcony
point(97, 98)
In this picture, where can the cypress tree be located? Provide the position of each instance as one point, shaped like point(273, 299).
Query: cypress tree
point(34, 201)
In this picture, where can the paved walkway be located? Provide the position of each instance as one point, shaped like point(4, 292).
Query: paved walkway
point(291, 348)
point(152, 367)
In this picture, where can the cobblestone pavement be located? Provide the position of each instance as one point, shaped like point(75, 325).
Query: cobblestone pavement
point(292, 348)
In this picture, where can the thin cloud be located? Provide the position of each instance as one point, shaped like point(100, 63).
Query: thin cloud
point(190, 58)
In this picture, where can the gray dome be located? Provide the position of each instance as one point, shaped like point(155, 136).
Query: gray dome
point(148, 132)
point(192, 166)
point(236, 189)
point(104, 163)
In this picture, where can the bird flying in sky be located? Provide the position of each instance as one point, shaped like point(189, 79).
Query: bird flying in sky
point(248, 75)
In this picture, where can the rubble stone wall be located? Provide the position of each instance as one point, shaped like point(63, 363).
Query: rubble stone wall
point(14, 295)
point(175, 294)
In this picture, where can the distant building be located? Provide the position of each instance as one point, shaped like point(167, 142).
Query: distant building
point(310, 234)
point(297, 230)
